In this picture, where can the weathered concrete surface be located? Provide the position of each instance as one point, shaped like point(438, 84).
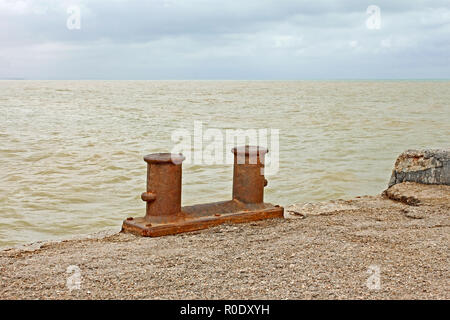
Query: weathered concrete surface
point(307, 209)
point(414, 194)
point(429, 166)
point(326, 254)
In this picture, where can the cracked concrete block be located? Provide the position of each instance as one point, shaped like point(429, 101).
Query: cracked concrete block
point(429, 166)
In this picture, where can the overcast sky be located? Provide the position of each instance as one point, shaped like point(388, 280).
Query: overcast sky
point(227, 39)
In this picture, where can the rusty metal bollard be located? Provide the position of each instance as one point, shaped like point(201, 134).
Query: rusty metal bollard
point(164, 214)
point(248, 174)
point(163, 194)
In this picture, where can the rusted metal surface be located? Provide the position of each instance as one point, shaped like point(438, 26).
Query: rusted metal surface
point(164, 214)
point(163, 194)
point(248, 174)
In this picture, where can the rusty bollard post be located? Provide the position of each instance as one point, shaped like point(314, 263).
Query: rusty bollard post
point(163, 194)
point(164, 214)
point(248, 174)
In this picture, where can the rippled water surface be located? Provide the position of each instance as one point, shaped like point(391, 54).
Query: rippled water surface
point(71, 151)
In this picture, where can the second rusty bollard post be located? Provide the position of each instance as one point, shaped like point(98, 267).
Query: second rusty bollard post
point(248, 174)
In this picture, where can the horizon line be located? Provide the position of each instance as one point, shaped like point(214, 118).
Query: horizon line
point(206, 79)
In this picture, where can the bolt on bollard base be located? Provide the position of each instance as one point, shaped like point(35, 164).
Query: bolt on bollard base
point(164, 214)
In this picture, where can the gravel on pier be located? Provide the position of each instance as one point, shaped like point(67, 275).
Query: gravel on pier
point(330, 250)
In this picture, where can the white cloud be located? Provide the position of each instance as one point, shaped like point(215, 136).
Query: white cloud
point(386, 43)
point(353, 44)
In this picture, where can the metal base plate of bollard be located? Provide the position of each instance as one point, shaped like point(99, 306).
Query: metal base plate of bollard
point(202, 216)
point(164, 214)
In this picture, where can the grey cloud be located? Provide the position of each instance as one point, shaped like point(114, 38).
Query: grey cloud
point(252, 39)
